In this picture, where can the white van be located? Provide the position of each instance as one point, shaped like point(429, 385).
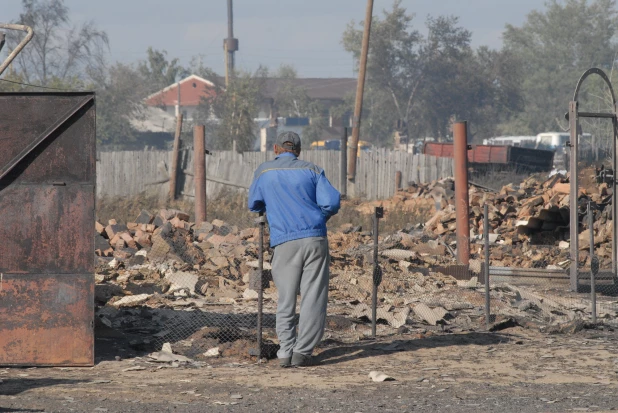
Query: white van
point(555, 140)
point(525, 141)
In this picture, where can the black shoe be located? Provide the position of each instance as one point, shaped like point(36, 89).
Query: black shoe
point(285, 362)
point(302, 360)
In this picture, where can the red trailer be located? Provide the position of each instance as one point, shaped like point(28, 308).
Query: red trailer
point(535, 159)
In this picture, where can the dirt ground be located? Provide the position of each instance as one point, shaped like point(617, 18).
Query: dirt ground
point(514, 370)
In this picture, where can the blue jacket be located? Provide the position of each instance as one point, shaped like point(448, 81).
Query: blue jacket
point(297, 197)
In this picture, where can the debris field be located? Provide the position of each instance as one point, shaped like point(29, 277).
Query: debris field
point(169, 280)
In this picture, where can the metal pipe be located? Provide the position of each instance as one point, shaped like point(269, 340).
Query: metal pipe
point(175, 156)
point(20, 46)
point(486, 269)
point(573, 213)
point(462, 205)
point(376, 269)
point(614, 202)
point(344, 161)
point(593, 263)
point(199, 159)
point(360, 88)
point(260, 291)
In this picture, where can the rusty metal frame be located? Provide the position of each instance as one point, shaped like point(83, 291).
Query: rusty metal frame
point(47, 199)
point(19, 47)
point(573, 117)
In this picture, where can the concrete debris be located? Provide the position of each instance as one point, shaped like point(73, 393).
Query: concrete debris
point(161, 270)
point(378, 376)
point(433, 316)
point(213, 352)
point(167, 356)
point(131, 300)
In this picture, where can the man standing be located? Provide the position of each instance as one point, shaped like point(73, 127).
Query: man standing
point(298, 200)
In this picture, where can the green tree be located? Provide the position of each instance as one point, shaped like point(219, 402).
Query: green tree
point(120, 92)
point(229, 113)
point(158, 72)
point(427, 81)
point(292, 100)
point(60, 51)
point(554, 47)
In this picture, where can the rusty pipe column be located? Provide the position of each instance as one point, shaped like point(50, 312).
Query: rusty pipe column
point(199, 164)
point(462, 205)
point(360, 88)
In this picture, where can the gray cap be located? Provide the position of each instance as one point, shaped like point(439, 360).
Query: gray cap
point(289, 140)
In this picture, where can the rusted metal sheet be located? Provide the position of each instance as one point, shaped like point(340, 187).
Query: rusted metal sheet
point(459, 272)
point(47, 319)
point(47, 195)
point(496, 154)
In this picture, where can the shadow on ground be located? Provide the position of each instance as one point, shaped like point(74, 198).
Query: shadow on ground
point(14, 386)
point(340, 353)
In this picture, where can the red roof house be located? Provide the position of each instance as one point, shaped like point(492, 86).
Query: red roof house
point(192, 89)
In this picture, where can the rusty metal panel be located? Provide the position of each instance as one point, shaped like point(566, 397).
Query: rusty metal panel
point(43, 229)
point(47, 196)
point(47, 319)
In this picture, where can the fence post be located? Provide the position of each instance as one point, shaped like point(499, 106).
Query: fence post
point(343, 164)
point(377, 271)
point(397, 181)
point(175, 153)
point(594, 264)
point(199, 160)
point(486, 266)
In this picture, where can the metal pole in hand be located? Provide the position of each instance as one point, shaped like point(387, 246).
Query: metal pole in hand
point(486, 267)
point(260, 291)
point(377, 274)
point(594, 264)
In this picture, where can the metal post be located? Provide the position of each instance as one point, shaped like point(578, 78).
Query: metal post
point(377, 274)
point(462, 205)
point(574, 219)
point(199, 159)
point(486, 269)
point(175, 153)
point(260, 291)
point(594, 264)
point(344, 161)
point(360, 87)
point(614, 203)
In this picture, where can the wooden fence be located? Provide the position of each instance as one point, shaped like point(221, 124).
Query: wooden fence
point(129, 173)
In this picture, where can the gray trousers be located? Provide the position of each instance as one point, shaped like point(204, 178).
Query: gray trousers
point(301, 266)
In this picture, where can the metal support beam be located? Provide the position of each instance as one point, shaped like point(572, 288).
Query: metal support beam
point(574, 219)
point(614, 199)
point(462, 204)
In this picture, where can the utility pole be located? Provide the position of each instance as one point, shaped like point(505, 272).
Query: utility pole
point(230, 44)
point(360, 88)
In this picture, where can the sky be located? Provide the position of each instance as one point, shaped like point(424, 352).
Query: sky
point(303, 33)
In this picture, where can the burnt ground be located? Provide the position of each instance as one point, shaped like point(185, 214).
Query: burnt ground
point(514, 370)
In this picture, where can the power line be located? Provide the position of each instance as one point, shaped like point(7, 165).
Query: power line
point(41, 87)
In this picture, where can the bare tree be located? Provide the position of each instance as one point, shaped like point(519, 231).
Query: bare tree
point(59, 51)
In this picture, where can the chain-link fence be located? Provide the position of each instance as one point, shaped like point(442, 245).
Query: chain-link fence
point(196, 287)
